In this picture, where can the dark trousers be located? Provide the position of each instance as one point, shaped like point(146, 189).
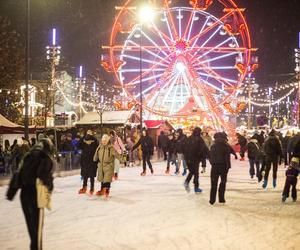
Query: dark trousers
point(290, 181)
point(287, 158)
point(85, 180)
point(270, 162)
point(216, 172)
point(105, 185)
point(164, 149)
point(242, 151)
point(146, 159)
point(193, 168)
point(254, 163)
point(32, 216)
point(203, 162)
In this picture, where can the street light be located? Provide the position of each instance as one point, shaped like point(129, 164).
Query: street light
point(53, 54)
point(297, 71)
point(145, 14)
point(80, 81)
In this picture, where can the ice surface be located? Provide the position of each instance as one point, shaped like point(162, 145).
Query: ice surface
point(155, 212)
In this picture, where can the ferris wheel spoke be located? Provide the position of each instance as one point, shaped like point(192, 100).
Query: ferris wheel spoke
point(216, 67)
point(148, 51)
point(216, 22)
point(189, 26)
point(219, 57)
point(179, 22)
point(172, 84)
point(212, 50)
point(174, 98)
point(201, 30)
point(136, 58)
point(163, 37)
point(154, 43)
point(145, 91)
point(132, 70)
point(213, 34)
point(147, 78)
point(173, 27)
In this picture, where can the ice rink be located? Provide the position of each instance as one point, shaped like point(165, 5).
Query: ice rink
point(155, 212)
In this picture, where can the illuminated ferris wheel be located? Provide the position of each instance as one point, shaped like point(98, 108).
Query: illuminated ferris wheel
point(184, 59)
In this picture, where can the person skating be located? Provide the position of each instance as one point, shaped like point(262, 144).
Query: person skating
point(194, 151)
point(208, 141)
point(285, 143)
point(120, 148)
point(147, 151)
point(162, 145)
point(242, 141)
point(291, 180)
point(88, 145)
point(172, 157)
point(105, 155)
point(36, 183)
point(18, 152)
point(179, 150)
point(273, 152)
point(219, 157)
point(254, 153)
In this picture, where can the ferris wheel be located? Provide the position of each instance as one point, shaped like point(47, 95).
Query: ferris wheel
point(187, 59)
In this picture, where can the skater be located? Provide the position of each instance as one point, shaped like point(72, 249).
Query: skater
point(179, 150)
point(194, 151)
point(242, 141)
point(285, 143)
point(162, 145)
point(18, 153)
point(120, 148)
point(219, 157)
point(130, 156)
point(274, 154)
point(291, 180)
point(147, 151)
point(36, 183)
point(253, 156)
point(88, 145)
point(208, 141)
point(172, 157)
point(105, 155)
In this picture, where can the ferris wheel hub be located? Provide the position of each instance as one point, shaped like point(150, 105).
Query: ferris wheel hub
point(181, 45)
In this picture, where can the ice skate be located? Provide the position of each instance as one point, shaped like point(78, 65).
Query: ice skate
point(198, 190)
point(151, 170)
point(91, 192)
point(116, 176)
point(177, 172)
point(184, 172)
point(82, 190)
point(274, 183)
point(187, 187)
point(100, 192)
point(167, 171)
point(283, 199)
point(294, 199)
point(265, 184)
point(143, 173)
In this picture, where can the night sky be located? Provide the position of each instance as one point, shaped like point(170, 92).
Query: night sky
point(84, 25)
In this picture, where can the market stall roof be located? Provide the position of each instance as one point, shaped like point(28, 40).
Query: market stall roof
point(156, 123)
point(8, 127)
point(108, 117)
point(7, 123)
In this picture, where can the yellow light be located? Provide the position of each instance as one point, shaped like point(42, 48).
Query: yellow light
point(146, 14)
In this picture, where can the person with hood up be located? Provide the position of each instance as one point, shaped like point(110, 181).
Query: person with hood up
point(18, 152)
point(208, 141)
point(147, 151)
point(219, 157)
point(36, 183)
point(105, 155)
point(254, 154)
point(274, 154)
point(194, 150)
point(88, 145)
point(120, 148)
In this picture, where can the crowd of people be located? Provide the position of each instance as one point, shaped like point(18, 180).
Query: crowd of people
point(34, 164)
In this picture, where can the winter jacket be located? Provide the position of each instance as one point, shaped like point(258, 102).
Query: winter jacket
point(67, 146)
point(242, 141)
point(19, 152)
point(292, 143)
point(146, 143)
point(180, 143)
point(162, 141)
point(195, 149)
point(208, 140)
point(285, 143)
point(171, 144)
point(253, 149)
point(292, 172)
point(36, 164)
point(88, 146)
point(219, 154)
point(272, 148)
point(118, 144)
point(105, 156)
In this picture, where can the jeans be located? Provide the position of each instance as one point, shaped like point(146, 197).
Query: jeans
point(252, 169)
point(146, 159)
point(270, 162)
point(193, 171)
point(216, 172)
point(181, 159)
point(172, 159)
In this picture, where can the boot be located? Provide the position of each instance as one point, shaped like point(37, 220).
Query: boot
point(101, 192)
point(151, 170)
point(184, 172)
point(167, 170)
point(82, 190)
point(116, 176)
point(265, 184)
point(186, 187)
point(274, 183)
point(198, 190)
point(283, 199)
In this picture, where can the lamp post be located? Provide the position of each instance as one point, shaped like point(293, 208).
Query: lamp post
point(53, 54)
point(80, 81)
point(270, 107)
point(297, 71)
point(145, 14)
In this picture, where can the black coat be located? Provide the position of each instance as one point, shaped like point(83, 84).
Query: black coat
point(180, 142)
point(253, 149)
point(171, 146)
point(162, 141)
point(219, 154)
point(294, 140)
point(272, 148)
point(88, 146)
point(242, 141)
point(195, 149)
point(285, 143)
point(146, 144)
